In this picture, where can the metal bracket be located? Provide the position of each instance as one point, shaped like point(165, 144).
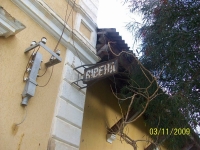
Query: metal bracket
point(76, 83)
point(76, 69)
point(79, 73)
point(56, 59)
point(29, 89)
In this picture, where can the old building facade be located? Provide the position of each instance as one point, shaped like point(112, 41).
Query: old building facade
point(60, 115)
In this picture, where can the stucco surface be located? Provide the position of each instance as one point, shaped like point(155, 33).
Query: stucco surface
point(102, 111)
point(86, 32)
point(64, 10)
point(34, 132)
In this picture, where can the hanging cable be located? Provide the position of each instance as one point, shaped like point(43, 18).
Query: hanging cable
point(43, 73)
point(17, 124)
point(65, 22)
point(25, 115)
point(28, 64)
point(48, 79)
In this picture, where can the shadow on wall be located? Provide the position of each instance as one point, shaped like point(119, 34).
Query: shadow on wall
point(101, 112)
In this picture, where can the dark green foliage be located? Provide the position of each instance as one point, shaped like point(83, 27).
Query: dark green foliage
point(140, 84)
point(163, 112)
point(170, 36)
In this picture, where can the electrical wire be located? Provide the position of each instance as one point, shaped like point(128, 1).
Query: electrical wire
point(17, 124)
point(48, 79)
point(65, 22)
point(28, 64)
point(31, 57)
point(43, 73)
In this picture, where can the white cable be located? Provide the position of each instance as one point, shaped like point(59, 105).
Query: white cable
point(17, 124)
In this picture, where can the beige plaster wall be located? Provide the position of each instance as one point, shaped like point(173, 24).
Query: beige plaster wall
point(60, 7)
point(101, 111)
point(86, 32)
point(33, 134)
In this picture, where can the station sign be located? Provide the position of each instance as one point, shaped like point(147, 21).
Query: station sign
point(100, 70)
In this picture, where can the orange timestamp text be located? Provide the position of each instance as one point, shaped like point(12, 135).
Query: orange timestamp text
point(167, 131)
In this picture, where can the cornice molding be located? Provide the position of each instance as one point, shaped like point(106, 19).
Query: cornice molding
point(50, 21)
point(81, 10)
point(8, 24)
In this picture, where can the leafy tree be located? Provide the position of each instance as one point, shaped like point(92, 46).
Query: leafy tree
point(170, 36)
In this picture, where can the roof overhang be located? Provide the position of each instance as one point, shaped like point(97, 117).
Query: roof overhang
point(109, 45)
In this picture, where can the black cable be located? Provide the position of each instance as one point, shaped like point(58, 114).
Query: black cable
point(48, 79)
point(65, 22)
